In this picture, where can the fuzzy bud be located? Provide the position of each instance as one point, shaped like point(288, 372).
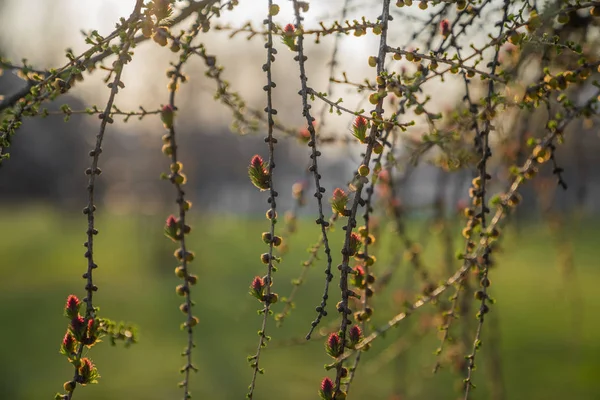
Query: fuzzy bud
point(257, 287)
point(78, 327)
point(355, 335)
point(68, 344)
point(87, 372)
point(334, 346)
point(72, 307)
point(289, 37)
point(91, 334)
point(357, 279)
point(326, 391)
point(359, 128)
point(171, 228)
point(258, 173)
point(339, 201)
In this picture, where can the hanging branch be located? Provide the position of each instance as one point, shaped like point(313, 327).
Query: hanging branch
point(261, 175)
point(85, 330)
point(298, 45)
point(479, 199)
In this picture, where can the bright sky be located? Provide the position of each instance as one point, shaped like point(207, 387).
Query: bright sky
point(42, 29)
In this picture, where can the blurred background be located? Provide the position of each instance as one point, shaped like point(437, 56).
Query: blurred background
point(542, 333)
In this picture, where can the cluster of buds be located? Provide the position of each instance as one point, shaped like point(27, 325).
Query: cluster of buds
point(335, 348)
point(87, 372)
point(259, 173)
point(80, 332)
point(361, 277)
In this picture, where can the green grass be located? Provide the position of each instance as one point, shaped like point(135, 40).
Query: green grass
point(547, 337)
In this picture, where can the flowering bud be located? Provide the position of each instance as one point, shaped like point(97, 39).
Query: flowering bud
point(72, 307)
point(289, 37)
point(357, 279)
point(257, 287)
point(445, 28)
point(166, 115)
point(339, 201)
point(355, 335)
point(91, 334)
point(334, 346)
point(78, 327)
point(359, 128)
point(87, 372)
point(171, 228)
point(258, 173)
point(326, 391)
point(68, 344)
